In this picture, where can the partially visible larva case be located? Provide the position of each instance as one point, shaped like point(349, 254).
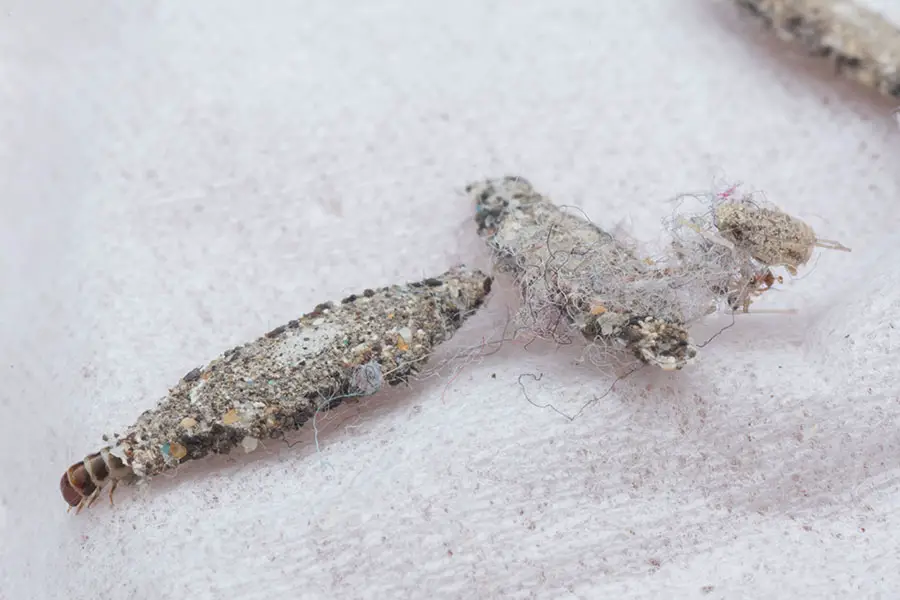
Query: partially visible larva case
point(862, 44)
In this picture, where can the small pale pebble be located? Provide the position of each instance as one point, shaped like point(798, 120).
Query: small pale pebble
point(249, 444)
point(188, 422)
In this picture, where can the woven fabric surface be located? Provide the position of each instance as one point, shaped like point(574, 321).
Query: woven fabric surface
point(181, 177)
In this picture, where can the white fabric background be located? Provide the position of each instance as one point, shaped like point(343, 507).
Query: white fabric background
point(179, 177)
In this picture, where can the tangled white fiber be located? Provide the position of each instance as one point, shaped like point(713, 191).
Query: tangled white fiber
point(576, 278)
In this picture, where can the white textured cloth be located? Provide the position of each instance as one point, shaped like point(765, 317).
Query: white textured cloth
point(180, 177)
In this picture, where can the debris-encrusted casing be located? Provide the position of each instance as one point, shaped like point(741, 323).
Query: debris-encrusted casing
point(773, 237)
point(278, 382)
point(572, 273)
point(864, 46)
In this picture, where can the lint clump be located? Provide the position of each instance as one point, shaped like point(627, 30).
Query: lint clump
point(737, 244)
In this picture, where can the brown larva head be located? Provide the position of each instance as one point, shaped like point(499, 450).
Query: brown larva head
point(76, 484)
point(69, 493)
